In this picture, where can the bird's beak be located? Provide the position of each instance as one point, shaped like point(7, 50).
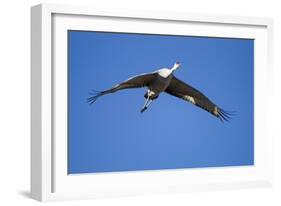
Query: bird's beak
point(178, 64)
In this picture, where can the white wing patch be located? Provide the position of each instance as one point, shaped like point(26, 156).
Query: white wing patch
point(189, 98)
point(216, 112)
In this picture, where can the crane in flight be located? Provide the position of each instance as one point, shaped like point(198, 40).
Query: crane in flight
point(163, 80)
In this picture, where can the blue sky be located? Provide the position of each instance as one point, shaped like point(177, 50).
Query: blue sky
point(112, 135)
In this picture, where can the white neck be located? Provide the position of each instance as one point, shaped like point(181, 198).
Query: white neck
point(175, 67)
point(165, 72)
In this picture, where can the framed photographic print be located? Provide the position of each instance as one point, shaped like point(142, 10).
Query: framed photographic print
point(137, 102)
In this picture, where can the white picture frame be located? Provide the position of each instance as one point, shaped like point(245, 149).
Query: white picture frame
point(49, 178)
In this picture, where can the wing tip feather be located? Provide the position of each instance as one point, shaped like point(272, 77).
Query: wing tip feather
point(94, 96)
point(224, 116)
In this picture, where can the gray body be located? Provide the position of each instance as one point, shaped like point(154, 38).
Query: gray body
point(160, 84)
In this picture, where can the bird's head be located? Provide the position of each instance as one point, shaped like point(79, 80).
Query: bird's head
point(176, 66)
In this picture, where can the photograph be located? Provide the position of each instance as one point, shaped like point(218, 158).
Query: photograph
point(139, 101)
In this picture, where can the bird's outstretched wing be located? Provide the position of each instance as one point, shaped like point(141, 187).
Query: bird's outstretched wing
point(133, 82)
point(182, 90)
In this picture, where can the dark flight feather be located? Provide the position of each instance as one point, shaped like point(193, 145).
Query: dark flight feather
point(182, 90)
point(133, 82)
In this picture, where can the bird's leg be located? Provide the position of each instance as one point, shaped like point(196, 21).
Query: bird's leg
point(146, 101)
point(146, 104)
point(149, 103)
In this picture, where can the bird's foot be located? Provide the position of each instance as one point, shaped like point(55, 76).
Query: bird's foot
point(143, 109)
